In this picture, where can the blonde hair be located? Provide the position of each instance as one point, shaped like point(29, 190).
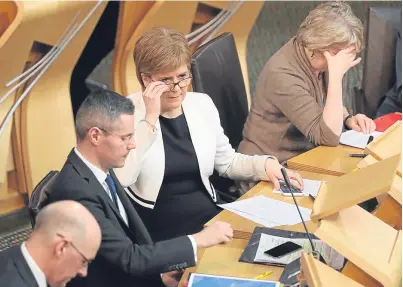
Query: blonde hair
point(158, 49)
point(331, 25)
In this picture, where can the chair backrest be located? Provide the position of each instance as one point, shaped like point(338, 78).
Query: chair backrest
point(39, 197)
point(379, 66)
point(216, 71)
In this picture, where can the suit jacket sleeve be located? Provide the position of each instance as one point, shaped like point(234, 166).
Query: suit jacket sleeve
point(138, 260)
point(231, 164)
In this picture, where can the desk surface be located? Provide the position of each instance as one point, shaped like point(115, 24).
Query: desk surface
point(327, 160)
point(223, 259)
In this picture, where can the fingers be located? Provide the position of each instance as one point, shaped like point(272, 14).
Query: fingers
point(372, 126)
point(155, 89)
point(356, 127)
point(297, 179)
point(361, 121)
point(327, 55)
point(348, 50)
point(355, 62)
point(275, 181)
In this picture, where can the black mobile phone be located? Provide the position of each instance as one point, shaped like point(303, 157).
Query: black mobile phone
point(284, 188)
point(283, 249)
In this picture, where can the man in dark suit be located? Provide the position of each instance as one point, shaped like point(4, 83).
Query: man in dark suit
point(65, 239)
point(127, 257)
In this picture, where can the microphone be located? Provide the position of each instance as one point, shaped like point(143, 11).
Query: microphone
point(287, 181)
point(292, 270)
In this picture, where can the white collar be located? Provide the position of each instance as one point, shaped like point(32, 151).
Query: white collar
point(38, 274)
point(99, 173)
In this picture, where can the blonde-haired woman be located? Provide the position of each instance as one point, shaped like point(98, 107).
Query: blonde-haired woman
point(298, 102)
point(180, 142)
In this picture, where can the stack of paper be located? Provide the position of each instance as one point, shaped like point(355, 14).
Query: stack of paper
point(268, 212)
point(357, 139)
point(333, 258)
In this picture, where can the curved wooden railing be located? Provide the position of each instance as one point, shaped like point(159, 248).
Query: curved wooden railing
point(36, 119)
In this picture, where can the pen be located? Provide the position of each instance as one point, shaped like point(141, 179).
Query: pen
point(357, 155)
point(311, 197)
point(370, 139)
point(264, 275)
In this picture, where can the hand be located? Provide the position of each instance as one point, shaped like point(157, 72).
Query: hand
point(273, 171)
point(361, 123)
point(340, 63)
point(171, 279)
point(152, 100)
point(213, 234)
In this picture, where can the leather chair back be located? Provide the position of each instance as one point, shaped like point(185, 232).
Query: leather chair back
point(217, 72)
point(379, 63)
point(40, 195)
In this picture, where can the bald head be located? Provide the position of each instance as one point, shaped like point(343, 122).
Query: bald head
point(68, 218)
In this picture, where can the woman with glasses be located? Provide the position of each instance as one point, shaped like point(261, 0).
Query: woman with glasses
point(180, 142)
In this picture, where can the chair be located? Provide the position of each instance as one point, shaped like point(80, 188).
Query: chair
point(379, 66)
point(216, 72)
point(39, 197)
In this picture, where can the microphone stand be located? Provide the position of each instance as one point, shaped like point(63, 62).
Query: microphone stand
point(289, 277)
point(287, 181)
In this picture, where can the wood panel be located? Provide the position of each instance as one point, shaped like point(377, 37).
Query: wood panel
point(246, 15)
point(130, 15)
point(46, 127)
point(177, 15)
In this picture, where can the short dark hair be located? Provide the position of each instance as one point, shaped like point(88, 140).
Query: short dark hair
point(101, 108)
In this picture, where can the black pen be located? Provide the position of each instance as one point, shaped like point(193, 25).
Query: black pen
point(370, 139)
point(360, 155)
point(312, 197)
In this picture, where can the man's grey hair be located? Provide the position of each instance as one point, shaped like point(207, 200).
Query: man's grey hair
point(101, 109)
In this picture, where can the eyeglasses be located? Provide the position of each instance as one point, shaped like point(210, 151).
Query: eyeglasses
point(85, 259)
point(124, 138)
point(182, 83)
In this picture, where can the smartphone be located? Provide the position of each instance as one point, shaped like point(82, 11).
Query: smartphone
point(283, 249)
point(286, 192)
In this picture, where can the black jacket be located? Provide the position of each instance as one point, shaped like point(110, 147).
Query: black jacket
point(127, 256)
point(14, 270)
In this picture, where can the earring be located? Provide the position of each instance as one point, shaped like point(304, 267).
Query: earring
point(313, 54)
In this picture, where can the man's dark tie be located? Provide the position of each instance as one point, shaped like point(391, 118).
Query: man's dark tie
point(112, 188)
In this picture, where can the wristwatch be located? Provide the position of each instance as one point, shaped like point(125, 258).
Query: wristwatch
point(345, 120)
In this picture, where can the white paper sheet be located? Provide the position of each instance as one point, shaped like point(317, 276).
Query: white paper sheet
point(278, 212)
point(262, 221)
point(356, 139)
point(334, 259)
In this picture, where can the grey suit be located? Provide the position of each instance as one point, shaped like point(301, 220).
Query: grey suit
point(127, 256)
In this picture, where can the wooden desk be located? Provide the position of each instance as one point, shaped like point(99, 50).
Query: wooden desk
point(326, 160)
point(223, 259)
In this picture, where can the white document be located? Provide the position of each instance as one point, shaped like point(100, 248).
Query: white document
point(333, 259)
point(310, 187)
point(357, 139)
point(262, 221)
point(278, 212)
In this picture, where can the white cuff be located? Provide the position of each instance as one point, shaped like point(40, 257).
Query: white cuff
point(194, 245)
